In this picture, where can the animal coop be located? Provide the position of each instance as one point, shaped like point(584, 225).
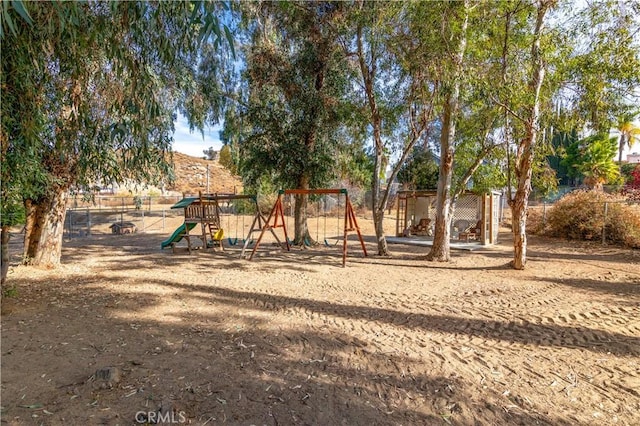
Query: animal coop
point(476, 217)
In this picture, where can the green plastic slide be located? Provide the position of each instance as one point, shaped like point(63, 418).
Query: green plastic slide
point(177, 235)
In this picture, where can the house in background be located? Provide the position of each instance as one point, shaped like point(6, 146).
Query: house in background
point(633, 158)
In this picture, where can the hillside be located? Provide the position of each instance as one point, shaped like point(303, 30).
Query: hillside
point(191, 176)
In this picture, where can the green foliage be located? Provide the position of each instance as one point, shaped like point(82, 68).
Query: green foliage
point(603, 75)
point(597, 164)
point(544, 179)
point(10, 292)
point(630, 174)
point(226, 160)
point(354, 164)
point(13, 212)
point(560, 143)
point(489, 177)
point(629, 133)
point(591, 160)
point(98, 83)
point(293, 107)
point(580, 215)
point(420, 171)
point(266, 191)
point(89, 95)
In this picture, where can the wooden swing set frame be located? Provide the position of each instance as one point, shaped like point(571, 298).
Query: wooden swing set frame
point(276, 220)
point(206, 212)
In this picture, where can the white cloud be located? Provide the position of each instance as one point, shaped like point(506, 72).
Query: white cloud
point(192, 143)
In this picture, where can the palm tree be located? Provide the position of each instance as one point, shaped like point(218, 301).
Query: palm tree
point(629, 134)
point(597, 164)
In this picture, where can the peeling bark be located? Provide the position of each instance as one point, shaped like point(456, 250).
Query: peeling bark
point(301, 226)
point(4, 249)
point(441, 251)
point(45, 227)
point(524, 159)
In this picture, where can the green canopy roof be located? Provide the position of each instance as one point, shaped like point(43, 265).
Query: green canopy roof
point(184, 202)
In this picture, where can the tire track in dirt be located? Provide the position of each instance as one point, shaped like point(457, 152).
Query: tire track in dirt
point(519, 329)
point(485, 335)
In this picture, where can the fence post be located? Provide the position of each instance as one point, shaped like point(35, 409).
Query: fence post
point(604, 224)
point(69, 213)
point(88, 221)
point(544, 214)
point(142, 212)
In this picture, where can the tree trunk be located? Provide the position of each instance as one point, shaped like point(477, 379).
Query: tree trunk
point(378, 205)
point(30, 218)
point(301, 226)
point(4, 249)
point(620, 150)
point(519, 207)
point(524, 159)
point(441, 251)
point(377, 202)
point(45, 218)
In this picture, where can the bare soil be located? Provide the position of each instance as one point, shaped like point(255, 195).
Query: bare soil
point(295, 339)
point(191, 176)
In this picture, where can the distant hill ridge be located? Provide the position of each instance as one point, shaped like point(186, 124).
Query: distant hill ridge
point(191, 176)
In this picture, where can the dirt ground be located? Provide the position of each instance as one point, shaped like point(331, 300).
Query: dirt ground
point(295, 339)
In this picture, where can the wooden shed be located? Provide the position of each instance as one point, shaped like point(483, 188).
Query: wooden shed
point(416, 216)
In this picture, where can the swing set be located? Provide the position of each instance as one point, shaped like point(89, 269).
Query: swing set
point(277, 219)
point(207, 211)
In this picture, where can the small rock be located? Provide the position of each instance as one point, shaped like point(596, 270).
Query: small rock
point(106, 377)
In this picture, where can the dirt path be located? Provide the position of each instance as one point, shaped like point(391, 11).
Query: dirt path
point(294, 339)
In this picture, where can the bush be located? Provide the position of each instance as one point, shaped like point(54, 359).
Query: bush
point(536, 220)
point(580, 216)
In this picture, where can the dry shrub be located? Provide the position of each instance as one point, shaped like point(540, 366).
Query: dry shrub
point(266, 202)
point(535, 220)
point(580, 215)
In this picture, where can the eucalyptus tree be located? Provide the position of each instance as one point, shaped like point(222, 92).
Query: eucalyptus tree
point(582, 58)
point(89, 94)
point(293, 105)
point(529, 118)
point(454, 68)
point(398, 99)
point(455, 28)
point(602, 71)
point(420, 170)
point(453, 32)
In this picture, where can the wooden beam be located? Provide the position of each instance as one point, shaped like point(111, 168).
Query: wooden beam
point(313, 191)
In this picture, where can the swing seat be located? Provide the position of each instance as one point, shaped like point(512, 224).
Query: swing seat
point(216, 237)
point(328, 244)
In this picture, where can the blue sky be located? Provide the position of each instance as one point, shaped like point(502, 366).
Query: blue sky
point(193, 144)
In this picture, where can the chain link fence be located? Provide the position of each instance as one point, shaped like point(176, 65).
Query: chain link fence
point(121, 215)
point(602, 213)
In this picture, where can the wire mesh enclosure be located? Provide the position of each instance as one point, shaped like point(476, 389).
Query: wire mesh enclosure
point(476, 217)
